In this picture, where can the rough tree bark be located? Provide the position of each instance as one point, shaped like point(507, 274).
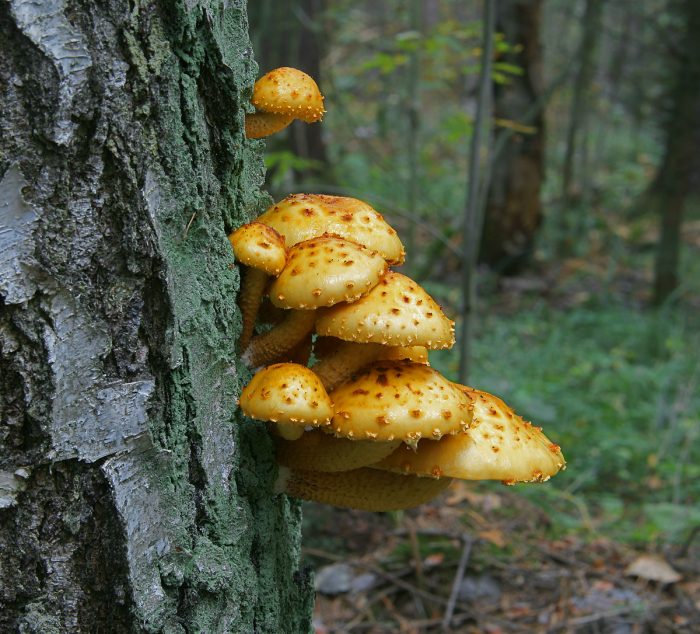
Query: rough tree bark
point(132, 498)
point(513, 208)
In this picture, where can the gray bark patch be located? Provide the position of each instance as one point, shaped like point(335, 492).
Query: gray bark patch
point(45, 24)
point(17, 221)
point(93, 417)
point(152, 526)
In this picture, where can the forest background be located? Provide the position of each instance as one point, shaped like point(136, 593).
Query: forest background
point(588, 281)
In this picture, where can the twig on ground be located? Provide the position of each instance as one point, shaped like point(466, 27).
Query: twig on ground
point(464, 559)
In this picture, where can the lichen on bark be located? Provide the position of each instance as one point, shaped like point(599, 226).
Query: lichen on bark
point(133, 496)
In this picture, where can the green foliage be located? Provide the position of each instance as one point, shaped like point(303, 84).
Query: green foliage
point(282, 163)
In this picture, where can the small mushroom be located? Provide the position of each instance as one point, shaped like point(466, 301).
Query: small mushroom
point(261, 249)
point(499, 445)
point(325, 271)
point(287, 394)
point(364, 489)
point(319, 272)
point(279, 97)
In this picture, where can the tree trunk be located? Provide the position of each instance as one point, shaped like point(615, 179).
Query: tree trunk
point(513, 209)
point(678, 177)
point(133, 497)
point(580, 99)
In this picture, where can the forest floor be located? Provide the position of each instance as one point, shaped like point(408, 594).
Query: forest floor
point(483, 560)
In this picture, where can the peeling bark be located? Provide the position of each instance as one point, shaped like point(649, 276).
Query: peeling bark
point(132, 496)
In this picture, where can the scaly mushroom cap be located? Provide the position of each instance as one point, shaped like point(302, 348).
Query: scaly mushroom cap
point(317, 450)
point(291, 92)
point(260, 247)
point(365, 489)
point(396, 312)
point(324, 271)
point(301, 217)
point(399, 400)
point(286, 393)
point(499, 445)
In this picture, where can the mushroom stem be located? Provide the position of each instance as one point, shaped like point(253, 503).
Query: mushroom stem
point(280, 340)
point(348, 358)
point(249, 299)
point(364, 489)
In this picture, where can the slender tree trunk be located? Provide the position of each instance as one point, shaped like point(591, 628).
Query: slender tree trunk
point(678, 178)
point(132, 495)
point(513, 208)
point(580, 100)
point(308, 139)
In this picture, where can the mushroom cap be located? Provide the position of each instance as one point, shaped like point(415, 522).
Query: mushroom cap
point(365, 489)
point(301, 217)
point(324, 271)
point(262, 124)
point(499, 445)
point(286, 393)
point(260, 247)
point(289, 91)
point(396, 312)
point(317, 450)
point(399, 400)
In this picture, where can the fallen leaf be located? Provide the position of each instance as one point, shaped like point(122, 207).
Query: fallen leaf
point(435, 559)
point(493, 536)
point(652, 568)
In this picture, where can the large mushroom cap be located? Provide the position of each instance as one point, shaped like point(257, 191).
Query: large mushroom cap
point(499, 445)
point(260, 247)
point(399, 400)
point(301, 217)
point(396, 312)
point(288, 91)
point(287, 393)
point(324, 271)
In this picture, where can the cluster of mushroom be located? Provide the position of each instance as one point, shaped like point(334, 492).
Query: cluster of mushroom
point(361, 420)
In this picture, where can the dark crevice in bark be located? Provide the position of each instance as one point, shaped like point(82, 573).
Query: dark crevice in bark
point(58, 581)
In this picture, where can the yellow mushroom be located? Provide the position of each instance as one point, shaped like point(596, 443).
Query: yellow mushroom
point(279, 97)
point(287, 394)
